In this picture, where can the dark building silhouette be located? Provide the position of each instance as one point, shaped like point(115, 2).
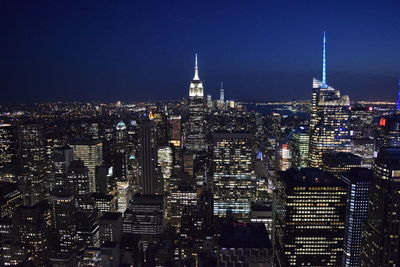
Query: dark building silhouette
point(380, 241)
point(358, 182)
point(148, 158)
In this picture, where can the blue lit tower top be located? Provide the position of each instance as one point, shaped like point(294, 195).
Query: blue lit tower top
point(324, 62)
point(398, 100)
point(196, 70)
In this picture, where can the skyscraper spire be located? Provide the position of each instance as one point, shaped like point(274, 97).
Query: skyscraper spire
point(324, 62)
point(221, 92)
point(196, 86)
point(196, 70)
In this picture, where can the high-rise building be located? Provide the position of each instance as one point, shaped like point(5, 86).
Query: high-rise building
point(145, 215)
point(196, 86)
point(148, 158)
point(62, 158)
point(380, 241)
point(7, 148)
point(10, 199)
point(77, 183)
point(160, 124)
point(361, 120)
point(110, 227)
point(31, 149)
point(63, 223)
point(388, 132)
point(176, 130)
point(195, 128)
point(103, 178)
point(245, 245)
point(87, 228)
point(358, 182)
point(31, 230)
point(209, 102)
point(165, 164)
point(299, 144)
point(90, 151)
point(262, 213)
point(105, 202)
point(329, 125)
point(234, 179)
point(309, 218)
point(181, 198)
point(121, 137)
point(338, 162)
point(124, 194)
point(285, 158)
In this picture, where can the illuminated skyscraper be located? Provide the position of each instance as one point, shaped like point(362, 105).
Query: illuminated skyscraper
point(387, 133)
point(309, 218)
point(358, 182)
point(285, 158)
point(10, 199)
point(7, 148)
point(176, 130)
point(31, 230)
point(329, 125)
point(31, 148)
point(121, 138)
point(181, 198)
point(195, 128)
point(299, 144)
point(380, 240)
point(77, 183)
point(62, 158)
point(234, 179)
point(165, 164)
point(196, 86)
point(64, 224)
point(91, 153)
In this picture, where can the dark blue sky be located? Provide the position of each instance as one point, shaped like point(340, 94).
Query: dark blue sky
point(144, 50)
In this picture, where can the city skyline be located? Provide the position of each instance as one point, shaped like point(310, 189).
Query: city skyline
point(199, 134)
point(120, 54)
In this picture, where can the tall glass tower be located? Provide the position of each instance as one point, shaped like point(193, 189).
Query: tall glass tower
point(329, 125)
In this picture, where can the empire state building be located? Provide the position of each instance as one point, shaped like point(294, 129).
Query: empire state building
point(196, 85)
point(195, 128)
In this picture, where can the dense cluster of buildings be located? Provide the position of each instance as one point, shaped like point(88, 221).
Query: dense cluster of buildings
point(201, 182)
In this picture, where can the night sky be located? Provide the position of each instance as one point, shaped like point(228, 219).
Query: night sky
point(144, 50)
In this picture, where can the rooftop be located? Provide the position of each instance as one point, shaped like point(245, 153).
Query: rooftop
point(309, 177)
point(390, 156)
point(355, 175)
point(111, 216)
point(244, 235)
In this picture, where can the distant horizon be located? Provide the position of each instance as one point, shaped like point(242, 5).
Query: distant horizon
point(150, 101)
point(97, 51)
